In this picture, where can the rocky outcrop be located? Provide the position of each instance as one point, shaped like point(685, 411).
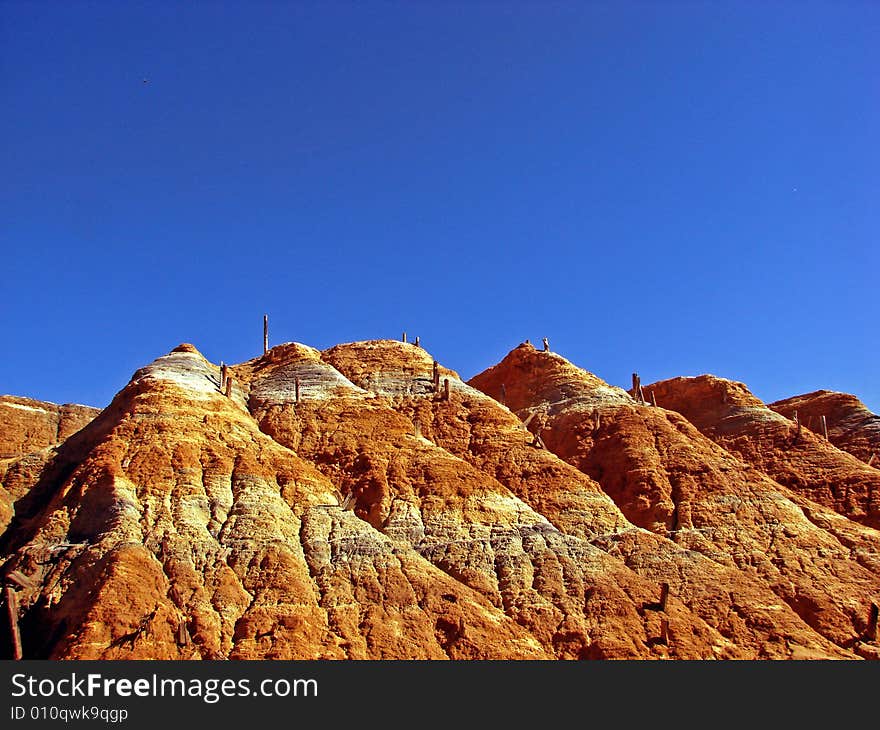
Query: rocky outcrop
point(794, 456)
point(669, 478)
point(572, 596)
point(28, 425)
point(29, 431)
point(364, 502)
point(489, 436)
point(851, 426)
point(174, 528)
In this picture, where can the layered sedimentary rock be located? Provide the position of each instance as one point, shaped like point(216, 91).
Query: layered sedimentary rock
point(489, 436)
point(364, 502)
point(669, 478)
point(576, 600)
point(171, 527)
point(29, 430)
point(28, 425)
point(791, 454)
point(851, 426)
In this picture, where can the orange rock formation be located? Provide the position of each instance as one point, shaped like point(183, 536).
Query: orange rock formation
point(364, 502)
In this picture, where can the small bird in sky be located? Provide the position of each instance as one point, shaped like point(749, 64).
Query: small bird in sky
point(146, 81)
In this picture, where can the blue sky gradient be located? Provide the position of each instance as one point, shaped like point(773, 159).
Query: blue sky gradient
point(670, 188)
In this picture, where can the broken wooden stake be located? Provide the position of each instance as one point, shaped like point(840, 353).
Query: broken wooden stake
point(418, 342)
point(503, 395)
point(417, 425)
point(296, 389)
point(797, 422)
point(661, 604)
point(436, 377)
point(653, 399)
point(20, 579)
point(228, 390)
point(348, 503)
point(540, 425)
point(872, 623)
point(445, 388)
point(12, 616)
point(182, 635)
point(265, 333)
point(824, 427)
point(546, 344)
point(664, 631)
point(404, 337)
point(871, 460)
point(637, 388)
point(224, 371)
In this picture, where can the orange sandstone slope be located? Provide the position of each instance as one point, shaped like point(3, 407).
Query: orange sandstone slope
point(851, 426)
point(340, 505)
point(730, 415)
point(30, 425)
point(491, 438)
point(171, 527)
point(669, 478)
point(29, 432)
point(575, 599)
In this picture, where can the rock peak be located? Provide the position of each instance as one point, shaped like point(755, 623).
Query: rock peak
point(187, 347)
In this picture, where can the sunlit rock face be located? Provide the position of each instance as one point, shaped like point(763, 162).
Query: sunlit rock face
point(364, 502)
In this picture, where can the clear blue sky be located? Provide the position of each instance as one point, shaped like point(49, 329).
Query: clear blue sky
point(672, 188)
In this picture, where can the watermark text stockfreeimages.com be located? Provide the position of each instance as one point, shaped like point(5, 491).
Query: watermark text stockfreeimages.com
point(209, 690)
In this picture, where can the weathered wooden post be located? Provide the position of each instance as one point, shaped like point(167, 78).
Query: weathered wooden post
point(797, 422)
point(21, 580)
point(445, 388)
point(418, 342)
point(872, 622)
point(265, 333)
point(404, 337)
point(228, 391)
point(224, 371)
point(12, 615)
point(653, 399)
point(664, 631)
point(417, 425)
point(182, 635)
point(436, 377)
point(664, 594)
point(503, 395)
point(637, 388)
point(546, 344)
point(824, 427)
point(296, 389)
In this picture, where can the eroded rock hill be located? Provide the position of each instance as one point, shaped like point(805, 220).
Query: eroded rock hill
point(364, 502)
point(669, 478)
point(30, 425)
point(30, 431)
point(729, 414)
point(851, 426)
